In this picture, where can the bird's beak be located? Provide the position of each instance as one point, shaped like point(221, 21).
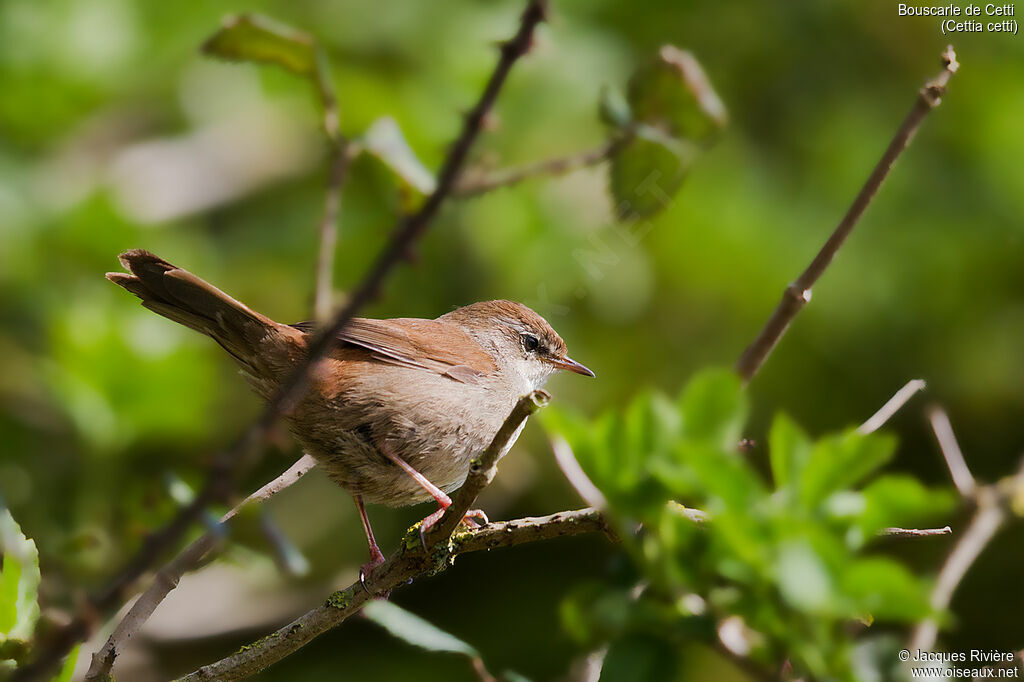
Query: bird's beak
point(571, 365)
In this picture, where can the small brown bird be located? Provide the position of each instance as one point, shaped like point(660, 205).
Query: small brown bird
point(398, 409)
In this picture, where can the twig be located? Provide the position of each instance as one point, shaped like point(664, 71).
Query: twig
point(916, 532)
point(407, 564)
point(342, 154)
point(892, 406)
point(226, 465)
point(986, 522)
point(798, 293)
point(167, 578)
point(574, 473)
point(414, 558)
point(475, 186)
point(483, 468)
point(962, 477)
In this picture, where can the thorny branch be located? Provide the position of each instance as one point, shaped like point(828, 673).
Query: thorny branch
point(798, 293)
point(229, 463)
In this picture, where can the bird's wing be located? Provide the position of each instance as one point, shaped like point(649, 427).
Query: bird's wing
point(414, 343)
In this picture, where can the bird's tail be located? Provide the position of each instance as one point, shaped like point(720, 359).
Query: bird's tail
point(181, 296)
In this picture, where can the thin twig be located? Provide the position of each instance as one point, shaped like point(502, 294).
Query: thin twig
point(167, 578)
point(574, 473)
point(916, 532)
point(986, 522)
point(407, 564)
point(415, 558)
point(962, 477)
point(798, 293)
point(892, 406)
point(342, 154)
point(475, 186)
point(230, 462)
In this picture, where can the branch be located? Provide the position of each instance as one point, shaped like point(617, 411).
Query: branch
point(891, 407)
point(409, 563)
point(167, 578)
point(474, 186)
point(342, 154)
point(986, 522)
point(916, 532)
point(962, 477)
point(227, 465)
point(798, 293)
point(416, 557)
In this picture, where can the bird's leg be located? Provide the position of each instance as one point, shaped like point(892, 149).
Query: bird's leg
point(443, 501)
point(376, 557)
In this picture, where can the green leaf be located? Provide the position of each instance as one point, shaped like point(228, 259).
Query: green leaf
point(613, 109)
point(416, 631)
point(899, 500)
point(674, 94)
point(714, 409)
point(639, 658)
point(804, 579)
point(68, 669)
point(385, 141)
point(840, 461)
point(789, 448)
point(19, 583)
point(647, 172)
point(256, 38)
point(724, 478)
point(886, 590)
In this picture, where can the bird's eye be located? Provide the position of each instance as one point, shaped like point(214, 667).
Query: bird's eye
point(531, 343)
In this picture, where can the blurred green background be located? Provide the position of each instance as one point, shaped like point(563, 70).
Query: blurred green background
point(116, 133)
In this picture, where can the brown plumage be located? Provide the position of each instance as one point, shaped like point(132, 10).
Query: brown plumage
point(429, 393)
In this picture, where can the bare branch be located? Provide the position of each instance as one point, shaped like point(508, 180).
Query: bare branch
point(407, 564)
point(962, 477)
point(892, 406)
point(798, 293)
point(342, 154)
point(475, 186)
point(189, 558)
point(916, 532)
point(574, 473)
point(987, 520)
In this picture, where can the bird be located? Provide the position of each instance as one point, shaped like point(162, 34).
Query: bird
point(398, 408)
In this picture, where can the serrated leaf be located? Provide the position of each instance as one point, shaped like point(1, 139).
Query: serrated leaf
point(385, 141)
point(639, 658)
point(647, 172)
point(714, 408)
point(256, 38)
point(19, 582)
point(840, 461)
point(789, 448)
point(414, 630)
point(674, 94)
point(886, 590)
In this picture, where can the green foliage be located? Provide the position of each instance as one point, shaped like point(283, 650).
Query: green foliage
point(255, 38)
point(669, 113)
point(384, 140)
point(789, 559)
point(19, 588)
point(421, 633)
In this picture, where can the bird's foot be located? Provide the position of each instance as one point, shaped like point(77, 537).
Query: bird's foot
point(376, 559)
